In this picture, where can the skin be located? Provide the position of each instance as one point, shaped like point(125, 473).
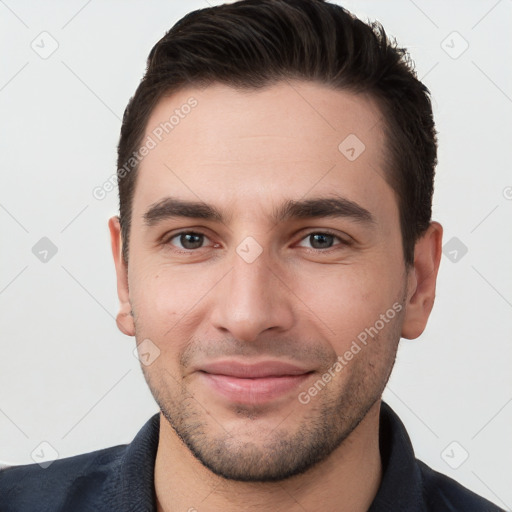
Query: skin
point(246, 153)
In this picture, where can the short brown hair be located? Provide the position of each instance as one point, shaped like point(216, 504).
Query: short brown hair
point(255, 43)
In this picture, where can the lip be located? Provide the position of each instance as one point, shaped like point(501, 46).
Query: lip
point(256, 383)
point(269, 368)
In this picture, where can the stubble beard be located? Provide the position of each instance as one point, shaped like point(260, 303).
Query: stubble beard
point(286, 450)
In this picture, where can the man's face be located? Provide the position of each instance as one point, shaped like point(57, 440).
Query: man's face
point(250, 308)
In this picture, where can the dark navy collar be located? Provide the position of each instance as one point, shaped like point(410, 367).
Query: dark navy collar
point(136, 474)
point(401, 485)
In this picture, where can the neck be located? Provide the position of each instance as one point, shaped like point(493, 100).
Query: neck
point(347, 480)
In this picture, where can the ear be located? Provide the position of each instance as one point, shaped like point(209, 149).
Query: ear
point(124, 318)
point(421, 281)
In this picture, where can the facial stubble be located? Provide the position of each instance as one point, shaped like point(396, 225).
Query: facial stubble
point(286, 447)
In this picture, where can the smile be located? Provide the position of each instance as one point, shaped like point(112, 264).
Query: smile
point(253, 384)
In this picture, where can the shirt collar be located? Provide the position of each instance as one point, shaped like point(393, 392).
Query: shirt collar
point(401, 485)
point(137, 487)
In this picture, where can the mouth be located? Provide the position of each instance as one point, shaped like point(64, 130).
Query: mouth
point(254, 384)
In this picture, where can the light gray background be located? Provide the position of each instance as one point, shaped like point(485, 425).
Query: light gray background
point(70, 379)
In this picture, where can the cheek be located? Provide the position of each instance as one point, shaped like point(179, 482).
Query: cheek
point(348, 300)
point(155, 301)
point(166, 299)
point(161, 318)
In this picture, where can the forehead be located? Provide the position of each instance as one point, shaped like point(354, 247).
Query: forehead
point(251, 149)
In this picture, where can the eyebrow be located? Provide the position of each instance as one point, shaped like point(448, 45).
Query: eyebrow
point(335, 207)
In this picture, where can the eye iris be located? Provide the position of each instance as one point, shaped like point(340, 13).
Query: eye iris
point(191, 240)
point(322, 240)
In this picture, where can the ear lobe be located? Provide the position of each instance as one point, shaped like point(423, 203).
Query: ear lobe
point(421, 285)
point(124, 319)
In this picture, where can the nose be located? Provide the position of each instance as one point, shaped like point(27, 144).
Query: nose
point(252, 299)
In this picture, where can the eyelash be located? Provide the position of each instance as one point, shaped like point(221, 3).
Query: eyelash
point(343, 243)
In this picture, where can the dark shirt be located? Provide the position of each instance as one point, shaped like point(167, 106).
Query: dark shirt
point(120, 478)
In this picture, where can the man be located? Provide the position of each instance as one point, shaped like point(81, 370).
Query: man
point(275, 172)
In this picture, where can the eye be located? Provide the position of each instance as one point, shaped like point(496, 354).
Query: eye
point(322, 240)
point(188, 240)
